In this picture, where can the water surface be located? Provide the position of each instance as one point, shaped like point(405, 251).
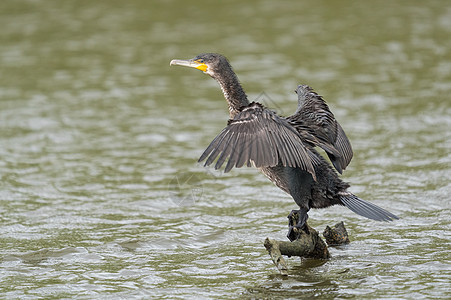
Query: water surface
point(100, 193)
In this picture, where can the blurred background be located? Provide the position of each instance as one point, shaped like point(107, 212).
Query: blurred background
point(100, 192)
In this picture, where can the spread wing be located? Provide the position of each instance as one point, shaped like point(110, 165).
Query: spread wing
point(314, 118)
point(257, 135)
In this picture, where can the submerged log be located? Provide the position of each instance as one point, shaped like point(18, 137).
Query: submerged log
point(306, 243)
point(336, 235)
point(274, 251)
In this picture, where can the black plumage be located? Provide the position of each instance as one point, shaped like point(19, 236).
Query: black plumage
point(283, 148)
point(313, 117)
point(258, 135)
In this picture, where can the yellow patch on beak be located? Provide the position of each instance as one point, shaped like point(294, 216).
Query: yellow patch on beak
point(203, 67)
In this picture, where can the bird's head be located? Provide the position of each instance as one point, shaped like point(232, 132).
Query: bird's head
point(209, 63)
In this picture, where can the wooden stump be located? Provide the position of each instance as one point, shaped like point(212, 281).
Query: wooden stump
point(306, 244)
point(336, 235)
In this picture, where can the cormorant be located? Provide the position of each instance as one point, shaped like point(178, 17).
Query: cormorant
point(283, 147)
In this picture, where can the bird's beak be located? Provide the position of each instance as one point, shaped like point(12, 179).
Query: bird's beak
point(189, 63)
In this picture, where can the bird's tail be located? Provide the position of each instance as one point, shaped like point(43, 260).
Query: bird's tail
point(365, 208)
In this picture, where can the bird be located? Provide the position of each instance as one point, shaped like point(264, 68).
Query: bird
point(284, 148)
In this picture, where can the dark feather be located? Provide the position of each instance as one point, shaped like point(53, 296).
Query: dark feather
point(258, 135)
point(365, 208)
point(314, 118)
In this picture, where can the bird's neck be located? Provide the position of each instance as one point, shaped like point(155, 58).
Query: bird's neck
point(234, 94)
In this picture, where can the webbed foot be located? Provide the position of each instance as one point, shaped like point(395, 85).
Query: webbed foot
point(296, 222)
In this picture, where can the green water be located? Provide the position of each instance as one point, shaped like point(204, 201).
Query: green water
point(100, 193)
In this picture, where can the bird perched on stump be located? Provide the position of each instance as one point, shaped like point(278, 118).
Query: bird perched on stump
point(283, 148)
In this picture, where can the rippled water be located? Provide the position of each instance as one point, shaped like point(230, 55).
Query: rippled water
point(100, 193)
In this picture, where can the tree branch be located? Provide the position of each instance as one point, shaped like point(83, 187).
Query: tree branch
point(307, 243)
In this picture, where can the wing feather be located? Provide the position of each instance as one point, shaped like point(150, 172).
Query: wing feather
point(257, 135)
point(313, 119)
point(227, 150)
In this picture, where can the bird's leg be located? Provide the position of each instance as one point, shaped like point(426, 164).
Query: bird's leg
point(297, 219)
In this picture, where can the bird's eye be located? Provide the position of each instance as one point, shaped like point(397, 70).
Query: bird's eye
point(201, 61)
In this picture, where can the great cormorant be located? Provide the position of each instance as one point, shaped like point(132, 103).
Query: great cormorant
point(283, 147)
